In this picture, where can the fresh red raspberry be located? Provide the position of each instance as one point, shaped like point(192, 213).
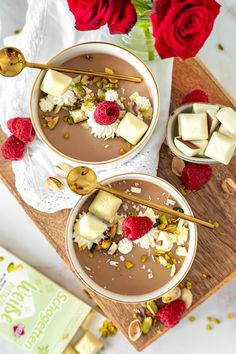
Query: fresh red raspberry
point(107, 113)
point(22, 128)
point(195, 176)
point(135, 227)
point(195, 96)
point(13, 149)
point(171, 314)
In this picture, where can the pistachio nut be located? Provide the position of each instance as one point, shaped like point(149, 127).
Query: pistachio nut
point(152, 307)
point(54, 183)
point(228, 186)
point(177, 166)
point(62, 169)
point(187, 297)
point(171, 295)
point(135, 330)
point(147, 322)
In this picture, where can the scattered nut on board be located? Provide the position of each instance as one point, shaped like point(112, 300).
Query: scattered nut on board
point(54, 183)
point(62, 169)
point(177, 166)
point(228, 186)
point(135, 330)
point(187, 297)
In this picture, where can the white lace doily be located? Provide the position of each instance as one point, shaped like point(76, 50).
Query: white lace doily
point(49, 28)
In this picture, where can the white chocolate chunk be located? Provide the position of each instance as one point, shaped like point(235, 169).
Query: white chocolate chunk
point(135, 190)
point(220, 148)
point(194, 126)
point(181, 251)
point(203, 107)
point(179, 126)
point(89, 227)
point(212, 121)
point(165, 241)
point(78, 115)
point(202, 144)
point(88, 320)
point(131, 128)
point(223, 130)
point(113, 248)
point(186, 147)
point(55, 83)
point(227, 116)
point(88, 344)
point(69, 350)
point(105, 205)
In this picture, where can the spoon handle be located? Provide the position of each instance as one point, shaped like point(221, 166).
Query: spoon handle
point(82, 72)
point(155, 206)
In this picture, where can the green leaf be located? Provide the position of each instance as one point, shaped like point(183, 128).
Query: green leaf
point(141, 6)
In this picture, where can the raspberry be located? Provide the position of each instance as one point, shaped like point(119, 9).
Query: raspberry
point(13, 149)
point(195, 96)
point(22, 128)
point(195, 176)
point(171, 314)
point(135, 227)
point(107, 113)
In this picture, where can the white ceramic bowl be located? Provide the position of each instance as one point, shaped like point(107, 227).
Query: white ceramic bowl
point(172, 132)
point(128, 298)
point(97, 47)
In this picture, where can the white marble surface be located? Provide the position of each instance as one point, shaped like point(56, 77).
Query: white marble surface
point(19, 234)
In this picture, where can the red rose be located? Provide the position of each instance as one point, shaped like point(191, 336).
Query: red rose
point(92, 14)
point(181, 27)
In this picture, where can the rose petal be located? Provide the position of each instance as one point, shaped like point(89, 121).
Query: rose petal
point(123, 18)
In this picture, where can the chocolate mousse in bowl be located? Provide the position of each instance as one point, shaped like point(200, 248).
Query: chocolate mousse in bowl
point(128, 252)
point(93, 120)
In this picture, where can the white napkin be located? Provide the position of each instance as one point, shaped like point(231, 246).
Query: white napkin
point(49, 28)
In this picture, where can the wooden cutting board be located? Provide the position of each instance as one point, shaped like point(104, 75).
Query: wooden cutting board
point(216, 254)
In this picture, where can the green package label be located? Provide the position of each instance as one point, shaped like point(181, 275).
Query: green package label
point(35, 313)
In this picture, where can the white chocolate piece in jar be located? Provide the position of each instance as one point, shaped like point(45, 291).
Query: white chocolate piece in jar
point(223, 130)
point(78, 115)
point(186, 147)
point(88, 344)
point(212, 121)
point(227, 116)
point(89, 227)
point(105, 205)
point(203, 107)
point(193, 126)
point(220, 148)
point(202, 144)
point(131, 128)
point(55, 83)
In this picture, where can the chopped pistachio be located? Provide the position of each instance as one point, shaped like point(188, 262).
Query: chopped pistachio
point(84, 80)
point(65, 118)
point(66, 136)
point(118, 269)
point(192, 318)
point(53, 122)
point(174, 260)
point(217, 321)
point(108, 329)
point(135, 315)
point(162, 155)
point(188, 285)
point(216, 224)
point(163, 219)
point(171, 228)
point(229, 316)
point(161, 226)
point(144, 257)
point(128, 265)
point(106, 244)
point(208, 327)
point(157, 259)
point(96, 79)
point(122, 151)
point(79, 91)
point(70, 121)
point(104, 81)
point(132, 213)
point(167, 257)
point(45, 125)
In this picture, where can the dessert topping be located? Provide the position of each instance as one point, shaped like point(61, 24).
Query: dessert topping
point(146, 325)
point(195, 96)
point(228, 186)
point(172, 295)
point(111, 95)
point(135, 227)
point(62, 169)
point(107, 113)
point(54, 183)
point(125, 246)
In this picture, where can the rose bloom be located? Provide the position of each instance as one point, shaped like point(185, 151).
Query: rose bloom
point(120, 15)
point(181, 27)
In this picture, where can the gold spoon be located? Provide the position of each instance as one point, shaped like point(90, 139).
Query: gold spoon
point(82, 180)
point(12, 62)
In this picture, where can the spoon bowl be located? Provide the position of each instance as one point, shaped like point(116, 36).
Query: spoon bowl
point(12, 62)
point(82, 180)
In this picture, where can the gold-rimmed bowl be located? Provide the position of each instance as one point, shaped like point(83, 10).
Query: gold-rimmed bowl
point(91, 283)
point(104, 48)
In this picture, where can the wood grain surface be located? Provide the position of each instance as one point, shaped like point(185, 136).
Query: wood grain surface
point(216, 254)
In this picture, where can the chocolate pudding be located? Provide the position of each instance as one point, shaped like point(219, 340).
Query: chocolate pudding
point(151, 267)
point(76, 140)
